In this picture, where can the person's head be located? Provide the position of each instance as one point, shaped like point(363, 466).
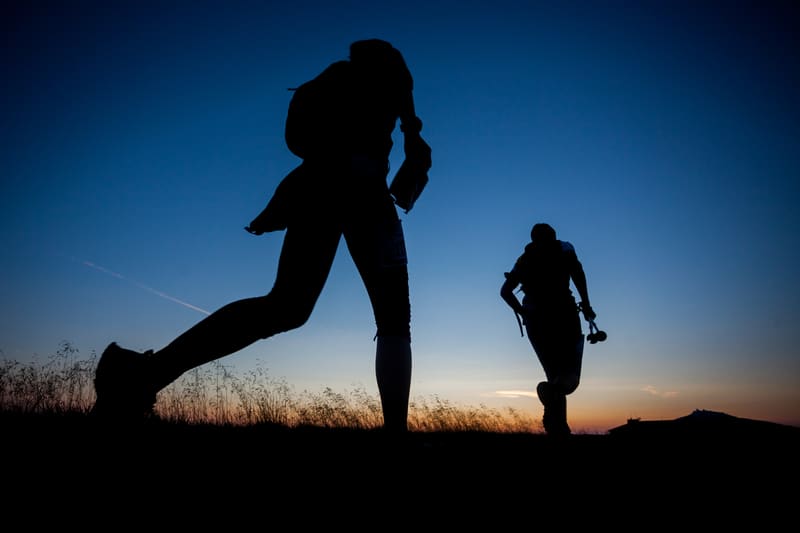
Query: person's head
point(379, 59)
point(542, 233)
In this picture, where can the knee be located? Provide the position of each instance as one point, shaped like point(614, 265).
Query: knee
point(394, 330)
point(567, 384)
point(292, 317)
point(394, 320)
point(276, 314)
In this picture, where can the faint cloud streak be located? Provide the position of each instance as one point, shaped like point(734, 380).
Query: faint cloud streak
point(661, 394)
point(149, 289)
point(513, 394)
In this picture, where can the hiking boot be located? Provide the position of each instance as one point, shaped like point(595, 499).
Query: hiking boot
point(122, 386)
point(554, 418)
point(555, 427)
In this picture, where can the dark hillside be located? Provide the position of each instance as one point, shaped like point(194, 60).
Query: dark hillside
point(706, 424)
point(176, 467)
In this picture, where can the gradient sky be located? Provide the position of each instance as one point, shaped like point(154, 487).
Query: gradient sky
point(661, 138)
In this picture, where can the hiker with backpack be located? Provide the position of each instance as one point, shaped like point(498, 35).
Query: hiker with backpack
point(551, 318)
point(340, 124)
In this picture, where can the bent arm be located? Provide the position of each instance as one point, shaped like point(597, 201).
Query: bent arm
point(414, 146)
point(507, 294)
point(410, 123)
point(579, 279)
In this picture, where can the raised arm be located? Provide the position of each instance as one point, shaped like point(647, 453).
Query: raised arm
point(579, 279)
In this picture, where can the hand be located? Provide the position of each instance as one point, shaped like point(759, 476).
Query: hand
point(588, 312)
point(417, 152)
point(411, 126)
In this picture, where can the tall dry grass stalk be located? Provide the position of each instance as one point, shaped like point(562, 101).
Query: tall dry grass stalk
point(213, 394)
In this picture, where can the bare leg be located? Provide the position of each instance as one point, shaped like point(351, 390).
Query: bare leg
point(393, 372)
point(378, 250)
point(228, 330)
point(306, 258)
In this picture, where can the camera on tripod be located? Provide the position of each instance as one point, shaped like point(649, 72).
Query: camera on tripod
point(595, 334)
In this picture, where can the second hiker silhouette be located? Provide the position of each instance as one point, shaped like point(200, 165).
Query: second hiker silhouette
point(341, 125)
point(550, 315)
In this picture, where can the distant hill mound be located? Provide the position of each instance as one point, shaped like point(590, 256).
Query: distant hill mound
point(706, 424)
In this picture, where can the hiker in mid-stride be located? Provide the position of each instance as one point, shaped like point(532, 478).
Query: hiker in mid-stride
point(551, 318)
point(340, 125)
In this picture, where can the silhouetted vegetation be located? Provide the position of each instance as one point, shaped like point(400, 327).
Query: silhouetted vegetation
point(219, 430)
point(214, 394)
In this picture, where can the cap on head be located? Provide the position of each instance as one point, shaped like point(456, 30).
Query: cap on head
point(542, 232)
point(370, 51)
point(382, 59)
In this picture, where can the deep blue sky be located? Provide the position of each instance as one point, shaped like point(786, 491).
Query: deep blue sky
point(661, 138)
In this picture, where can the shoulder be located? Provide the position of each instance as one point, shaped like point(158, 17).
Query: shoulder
point(519, 263)
point(333, 73)
point(567, 247)
point(336, 71)
point(338, 67)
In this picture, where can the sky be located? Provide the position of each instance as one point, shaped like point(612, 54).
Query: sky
point(660, 138)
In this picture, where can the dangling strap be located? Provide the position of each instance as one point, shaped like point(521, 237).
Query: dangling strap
point(519, 322)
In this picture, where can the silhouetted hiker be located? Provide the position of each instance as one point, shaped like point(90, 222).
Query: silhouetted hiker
point(550, 315)
point(340, 124)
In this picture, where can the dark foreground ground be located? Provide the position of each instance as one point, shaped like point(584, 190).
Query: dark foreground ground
point(199, 473)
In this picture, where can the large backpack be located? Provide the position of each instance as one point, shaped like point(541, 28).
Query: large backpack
point(314, 112)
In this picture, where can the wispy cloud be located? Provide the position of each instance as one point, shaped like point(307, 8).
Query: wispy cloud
point(513, 394)
point(661, 394)
point(149, 289)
